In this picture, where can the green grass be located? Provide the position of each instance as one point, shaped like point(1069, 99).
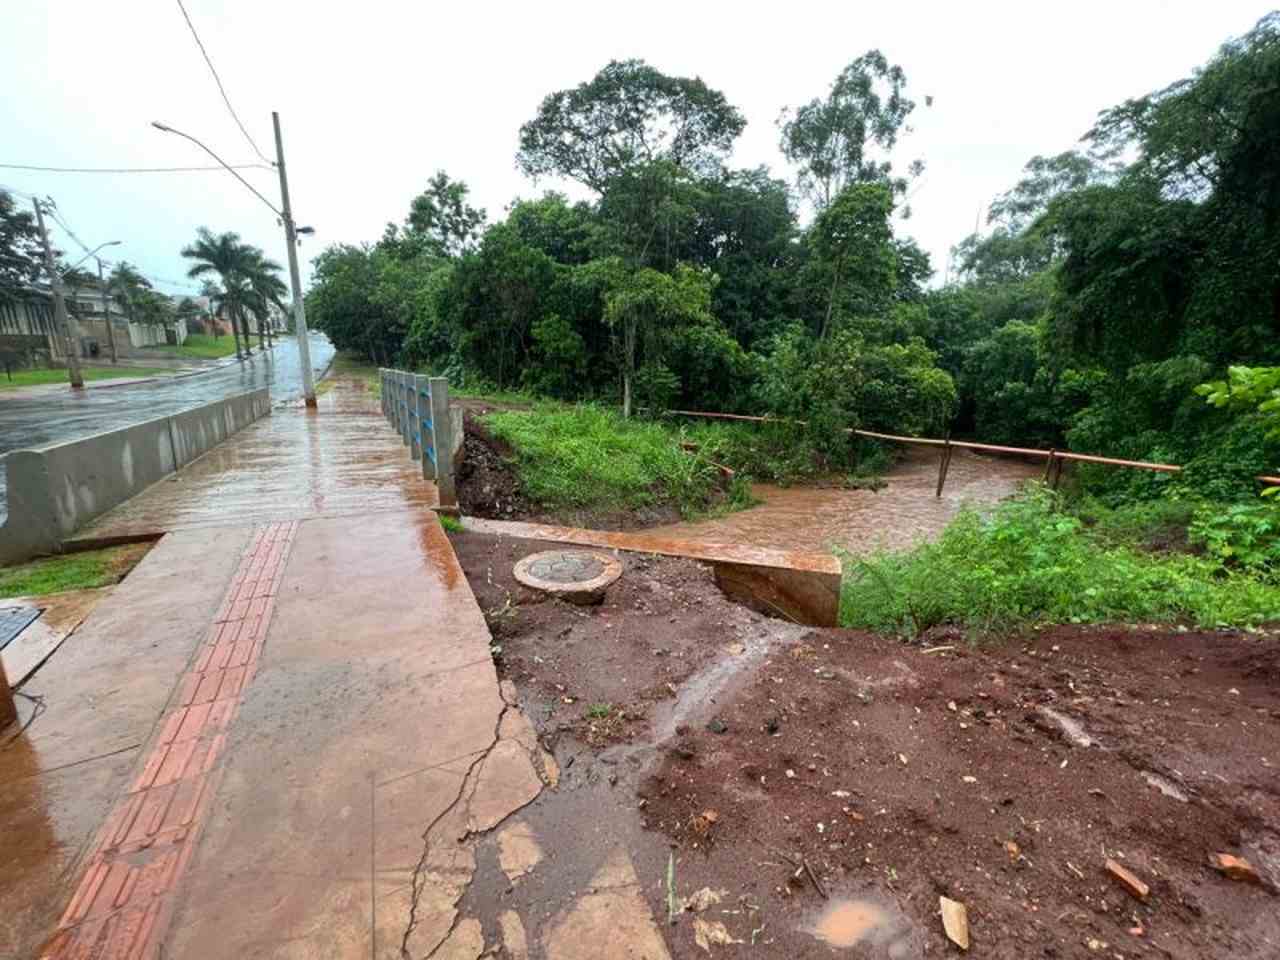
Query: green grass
point(450, 523)
point(589, 457)
point(204, 346)
point(355, 367)
point(496, 397)
point(73, 571)
point(33, 378)
point(1029, 563)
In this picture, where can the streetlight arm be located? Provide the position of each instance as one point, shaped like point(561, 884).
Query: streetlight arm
point(222, 163)
point(109, 243)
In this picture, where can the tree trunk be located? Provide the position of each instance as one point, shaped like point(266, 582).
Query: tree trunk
point(235, 332)
point(629, 364)
point(244, 331)
point(262, 336)
point(831, 302)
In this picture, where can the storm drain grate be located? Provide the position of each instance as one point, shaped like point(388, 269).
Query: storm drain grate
point(13, 620)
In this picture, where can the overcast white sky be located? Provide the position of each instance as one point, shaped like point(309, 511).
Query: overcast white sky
point(375, 96)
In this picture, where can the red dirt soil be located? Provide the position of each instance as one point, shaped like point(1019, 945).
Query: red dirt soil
point(880, 759)
point(958, 772)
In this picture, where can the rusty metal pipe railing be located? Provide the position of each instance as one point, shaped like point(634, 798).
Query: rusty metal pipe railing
point(1054, 458)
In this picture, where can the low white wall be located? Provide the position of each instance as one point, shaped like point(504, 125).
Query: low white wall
point(56, 489)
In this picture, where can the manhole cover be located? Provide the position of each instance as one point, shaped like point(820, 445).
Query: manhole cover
point(13, 620)
point(581, 576)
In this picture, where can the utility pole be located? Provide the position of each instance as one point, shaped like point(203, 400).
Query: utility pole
point(295, 280)
point(60, 305)
point(106, 312)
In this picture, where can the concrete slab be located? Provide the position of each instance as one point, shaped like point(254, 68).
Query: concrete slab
point(340, 459)
point(375, 697)
point(61, 613)
point(800, 585)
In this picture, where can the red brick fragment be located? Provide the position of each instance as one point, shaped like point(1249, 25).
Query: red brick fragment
point(1237, 868)
point(1128, 879)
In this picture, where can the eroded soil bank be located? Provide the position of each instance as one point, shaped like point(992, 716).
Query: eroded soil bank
point(771, 760)
point(819, 516)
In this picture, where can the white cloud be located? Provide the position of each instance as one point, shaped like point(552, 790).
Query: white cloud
point(374, 97)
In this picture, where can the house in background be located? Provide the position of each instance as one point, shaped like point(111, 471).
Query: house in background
point(92, 308)
point(29, 332)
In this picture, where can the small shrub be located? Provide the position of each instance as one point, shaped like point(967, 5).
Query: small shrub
point(1244, 535)
point(1028, 562)
point(450, 523)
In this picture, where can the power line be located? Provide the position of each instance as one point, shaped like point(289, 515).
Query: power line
point(52, 210)
point(218, 81)
point(57, 218)
point(23, 166)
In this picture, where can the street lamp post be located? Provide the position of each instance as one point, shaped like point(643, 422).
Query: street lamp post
point(106, 312)
point(291, 240)
point(60, 305)
point(295, 282)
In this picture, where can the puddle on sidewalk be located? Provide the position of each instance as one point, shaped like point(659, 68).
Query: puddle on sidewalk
point(877, 929)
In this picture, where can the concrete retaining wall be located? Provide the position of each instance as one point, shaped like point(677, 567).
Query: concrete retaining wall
point(58, 488)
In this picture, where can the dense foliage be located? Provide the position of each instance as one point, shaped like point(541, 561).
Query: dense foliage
point(1110, 282)
point(684, 282)
point(1106, 292)
point(1031, 562)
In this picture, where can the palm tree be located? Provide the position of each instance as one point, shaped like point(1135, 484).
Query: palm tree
point(127, 285)
point(266, 289)
point(248, 279)
point(225, 255)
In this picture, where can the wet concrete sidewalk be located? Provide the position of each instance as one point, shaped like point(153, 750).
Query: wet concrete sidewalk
point(270, 739)
point(340, 459)
point(903, 513)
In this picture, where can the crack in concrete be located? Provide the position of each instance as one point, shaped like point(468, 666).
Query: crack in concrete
point(467, 788)
point(420, 870)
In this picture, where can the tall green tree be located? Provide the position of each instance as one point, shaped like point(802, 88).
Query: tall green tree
point(832, 139)
point(649, 305)
point(20, 262)
point(628, 114)
point(852, 244)
point(127, 286)
point(441, 223)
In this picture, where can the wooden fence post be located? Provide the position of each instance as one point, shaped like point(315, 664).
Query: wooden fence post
point(944, 464)
point(1048, 466)
point(442, 441)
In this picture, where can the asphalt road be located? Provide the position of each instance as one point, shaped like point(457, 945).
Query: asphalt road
point(33, 420)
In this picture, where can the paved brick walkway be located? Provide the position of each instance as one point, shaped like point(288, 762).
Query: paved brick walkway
point(142, 851)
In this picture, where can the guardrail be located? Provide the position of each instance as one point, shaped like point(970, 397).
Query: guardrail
point(418, 407)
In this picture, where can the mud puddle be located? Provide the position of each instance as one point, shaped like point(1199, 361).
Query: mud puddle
point(879, 929)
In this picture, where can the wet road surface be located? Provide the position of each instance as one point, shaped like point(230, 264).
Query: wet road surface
point(33, 420)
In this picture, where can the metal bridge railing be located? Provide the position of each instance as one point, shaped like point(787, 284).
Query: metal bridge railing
point(418, 407)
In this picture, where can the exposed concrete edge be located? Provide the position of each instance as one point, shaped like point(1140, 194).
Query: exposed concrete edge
point(804, 587)
point(59, 487)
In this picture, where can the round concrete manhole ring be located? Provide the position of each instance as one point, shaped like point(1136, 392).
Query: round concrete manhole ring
point(579, 576)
